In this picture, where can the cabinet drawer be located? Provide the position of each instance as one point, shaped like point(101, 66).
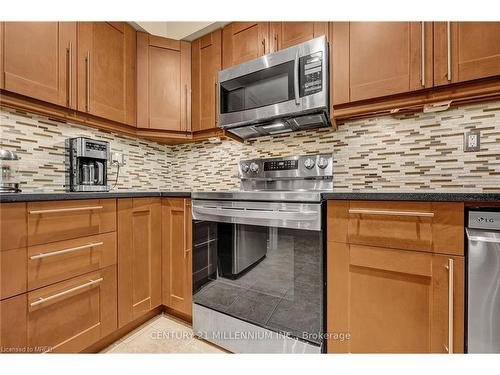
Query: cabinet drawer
point(70, 316)
point(57, 261)
point(424, 226)
point(63, 220)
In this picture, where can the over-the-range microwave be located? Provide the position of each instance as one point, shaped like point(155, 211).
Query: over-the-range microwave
point(281, 92)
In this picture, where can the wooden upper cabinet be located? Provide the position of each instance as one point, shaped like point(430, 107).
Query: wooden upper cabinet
point(39, 60)
point(287, 34)
point(244, 41)
point(163, 83)
point(383, 58)
point(106, 70)
point(206, 62)
point(1, 55)
point(177, 255)
point(139, 257)
point(466, 51)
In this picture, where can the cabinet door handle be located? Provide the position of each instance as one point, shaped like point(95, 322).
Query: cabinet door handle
point(69, 54)
point(390, 213)
point(422, 54)
point(87, 62)
point(448, 45)
point(186, 109)
point(60, 294)
point(55, 210)
point(65, 251)
point(449, 267)
point(263, 46)
point(216, 100)
point(187, 247)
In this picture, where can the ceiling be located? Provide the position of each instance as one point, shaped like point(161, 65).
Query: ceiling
point(178, 30)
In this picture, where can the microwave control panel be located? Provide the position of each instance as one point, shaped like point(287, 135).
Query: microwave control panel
point(311, 74)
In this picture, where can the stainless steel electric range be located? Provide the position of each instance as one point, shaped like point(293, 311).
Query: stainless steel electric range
point(258, 258)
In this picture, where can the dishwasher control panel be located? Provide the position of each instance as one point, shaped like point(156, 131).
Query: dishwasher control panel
point(484, 220)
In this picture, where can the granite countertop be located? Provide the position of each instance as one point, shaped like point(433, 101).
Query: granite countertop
point(413, 196)
point(55, 196)
point(386, 196)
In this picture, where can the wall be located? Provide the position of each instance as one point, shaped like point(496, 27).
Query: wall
point(405, 153)
point(39, 142)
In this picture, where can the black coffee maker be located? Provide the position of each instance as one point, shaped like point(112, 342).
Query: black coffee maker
point(87, 161)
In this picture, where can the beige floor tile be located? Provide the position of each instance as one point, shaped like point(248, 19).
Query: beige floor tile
point(163, 334)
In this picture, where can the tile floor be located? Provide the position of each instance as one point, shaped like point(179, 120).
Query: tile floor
point(162, 334)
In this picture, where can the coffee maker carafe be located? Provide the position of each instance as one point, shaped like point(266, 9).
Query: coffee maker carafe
point(87, 161)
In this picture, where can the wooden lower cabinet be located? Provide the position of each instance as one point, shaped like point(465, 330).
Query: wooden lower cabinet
point(177, 255)
point(387, 299)
point(65, 317)
point(139, 257)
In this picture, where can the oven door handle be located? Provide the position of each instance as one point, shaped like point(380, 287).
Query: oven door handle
point(254, 213)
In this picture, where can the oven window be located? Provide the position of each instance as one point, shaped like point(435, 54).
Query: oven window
point(259, 89)
point(270, 277)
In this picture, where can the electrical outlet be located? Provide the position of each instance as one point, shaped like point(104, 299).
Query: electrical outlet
point(472, 141)
point(117, 158)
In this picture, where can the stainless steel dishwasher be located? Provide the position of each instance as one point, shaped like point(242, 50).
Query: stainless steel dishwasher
point(483, 281)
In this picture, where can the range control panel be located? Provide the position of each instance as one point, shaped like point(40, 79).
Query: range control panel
point(311, 74)
point(280, 165)
point(303, 166)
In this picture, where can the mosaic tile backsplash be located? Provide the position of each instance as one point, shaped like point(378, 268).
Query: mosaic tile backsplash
point(408, 152)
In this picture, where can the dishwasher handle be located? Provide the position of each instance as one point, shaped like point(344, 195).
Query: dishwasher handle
point(481, 235)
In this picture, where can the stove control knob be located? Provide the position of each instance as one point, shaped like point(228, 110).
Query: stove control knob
point(254, 167)
point(323, 163)
point(245, 168)
point(309, 163)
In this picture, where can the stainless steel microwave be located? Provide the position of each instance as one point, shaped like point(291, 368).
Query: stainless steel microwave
point(281, 92)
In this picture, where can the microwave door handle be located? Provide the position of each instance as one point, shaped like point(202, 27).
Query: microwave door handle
point(296, 78)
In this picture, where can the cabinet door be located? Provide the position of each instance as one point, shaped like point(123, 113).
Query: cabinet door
point(206, 60)
point(287, 34)
point(1, 55)
point(106, 70)
point(163, 83)
point(40, 60)
point(465, 51)
point(384, 58)
point(449, 286)
point(177, 263)
point(391, 301)
point(244, 41)
point(139, 257)
point(69, 316)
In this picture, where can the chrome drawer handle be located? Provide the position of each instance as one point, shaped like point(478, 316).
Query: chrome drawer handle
point(55, 210)
point(449, 267)
point(57, 295)
point(65, 251)
point(390, 213)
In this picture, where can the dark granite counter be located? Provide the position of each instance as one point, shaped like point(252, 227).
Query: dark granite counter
point(393, 196)
point(56, 196)
point(414, 196)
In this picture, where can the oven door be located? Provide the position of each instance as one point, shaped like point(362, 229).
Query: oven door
point(281, 84)
point(258, 266)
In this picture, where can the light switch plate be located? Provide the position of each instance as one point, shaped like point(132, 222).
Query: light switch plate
point(472, 141)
